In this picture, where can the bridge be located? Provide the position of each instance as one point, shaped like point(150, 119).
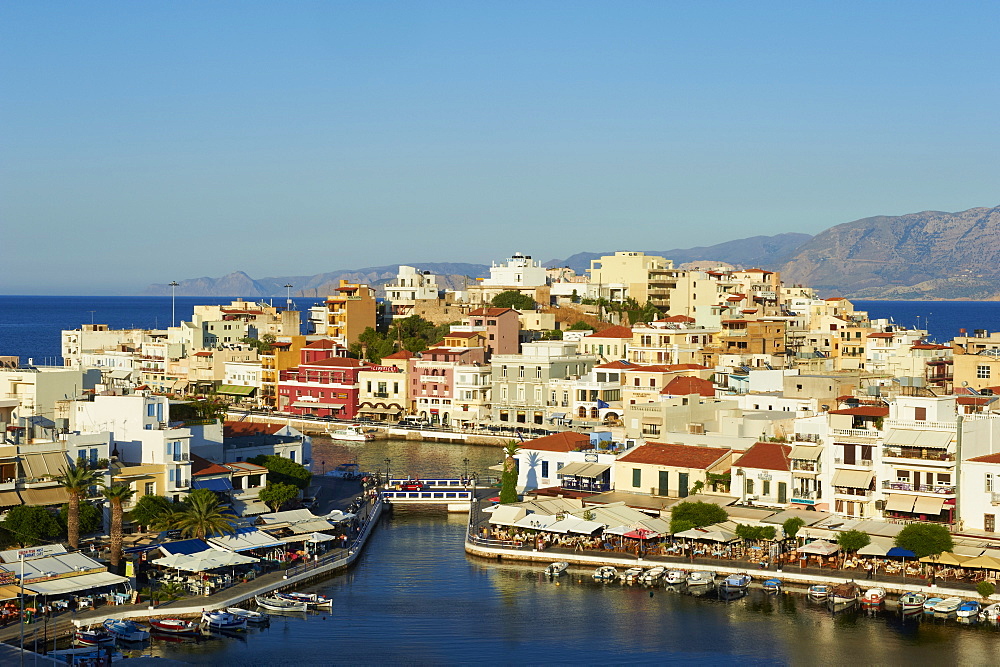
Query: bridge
point(456, 494)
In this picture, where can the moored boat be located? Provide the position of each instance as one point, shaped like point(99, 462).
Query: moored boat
point(701, 579)
point(736, 581)
point(948, 605)
point(991, 613)
point(606, 573)
point(555, 569)
point(632, 574)
point(350, 433)
point(93, 637)
point(819, 591)
point(873, 597)
point(653, 574)
point(220, 620)
point(311, 599)
point(843, 595)
point(772, 585)
point(273, 603)
point(911, 601)
point(930, 603)
point(969, 609)
point(674, 577)
point(88, 655)
point(255, 617)
point(124, 630)
point(174, 626)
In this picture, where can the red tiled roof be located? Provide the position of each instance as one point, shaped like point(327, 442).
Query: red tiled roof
point(834, 298)
point(863, 411)
point(492, 312)
point(687, 367)
point(766, 456)
point(678, 318)
point(202, 466)
point(975, 400)
point(324, 344)
point(677, 456)
point(988, 458)
point(881, 334)
point(757, 271)
point(621, 364)
point(342, 362)
point(612, 332)
point(929, 346)
point(402, 354)
point(687, 384)
point(244, 429)
point(564, 441)
point(202, 354)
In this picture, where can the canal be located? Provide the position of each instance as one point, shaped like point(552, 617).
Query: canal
point(416, 597)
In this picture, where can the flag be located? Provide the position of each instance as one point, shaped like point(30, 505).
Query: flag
point(602, 404)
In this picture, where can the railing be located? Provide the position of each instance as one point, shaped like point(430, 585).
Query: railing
point(595, 487)
point(864, 463)
point(858, 432)
point(381, 394)
point(918, 454)
point(798, 466)
point(944, 489)
point(852, 492)
point(806, 437)
point(804, 495)
point(907, 423)
point(995, 498)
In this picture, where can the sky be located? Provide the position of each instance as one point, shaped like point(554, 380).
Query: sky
point(146, 142)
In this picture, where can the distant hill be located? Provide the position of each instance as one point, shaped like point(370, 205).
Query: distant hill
point(927, 255)
point(754, 252)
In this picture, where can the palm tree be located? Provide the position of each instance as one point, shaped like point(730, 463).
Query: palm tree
point(508, 488)
point(117, 495)
point(77, 481)
point(202, 517)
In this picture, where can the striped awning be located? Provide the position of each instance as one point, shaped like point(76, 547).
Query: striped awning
point(899, 502)
point(856, 479)
point(235, 390)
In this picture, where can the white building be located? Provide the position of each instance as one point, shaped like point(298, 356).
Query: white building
point(518, 271)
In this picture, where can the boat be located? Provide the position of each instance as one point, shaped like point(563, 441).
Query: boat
point(930, 603)
point(653, 574)
point(346, 471)
point(948, 605)
point(350, 433)
point(220, 620)
point(991, 613)
point(255, 617)
point(311, 599)
point(911, 601)
point(174, 626)
point(273, 603)
point(843, 595)
point(632, 574)
point(873, 597)
point(819, 591)
point(675, 577)
point(701, 579)
point(85, 656)
point(126, 631)
point(605, 573)
point(555, 569)
point(736, 581)
point(93, 637)
point(772, 585)
point(969, 609)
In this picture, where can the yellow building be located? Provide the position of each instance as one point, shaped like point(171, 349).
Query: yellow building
point(348, 313)
point(629, 274)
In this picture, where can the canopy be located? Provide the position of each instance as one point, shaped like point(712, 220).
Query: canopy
point(186, 547)
point(244, 539)
point(641, 534)
point(900, 502)
point(820, 547)
point(572, 524)
point(983, 562)
point(856, 479)
point(902, 437)
point(203, 561)
point(879, 546)
point(806, 452)
point(589, 470)
point(900, 552)
point(536, 521)
point(219, 484)
point(235, 390)
point(320, 537)
point(73, 584)
point(928, 505)
point(944, 558)
point(53, 495)
point(710, 534)
point(507, 515)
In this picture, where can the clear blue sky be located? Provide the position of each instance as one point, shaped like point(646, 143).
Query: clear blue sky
point(149, 141)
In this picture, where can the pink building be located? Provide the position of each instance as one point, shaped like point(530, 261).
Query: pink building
point(323, 388)
point(432, 380)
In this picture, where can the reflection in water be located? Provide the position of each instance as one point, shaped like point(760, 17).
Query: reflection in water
point(417, 458)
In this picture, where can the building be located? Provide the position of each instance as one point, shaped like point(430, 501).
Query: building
point(541, 463)
point(520, 273)
point(521, 382)
point(674, 471)
point(433, 384)
point(633, 275)
point(410, 287)
point(763, 474)
point(322, 388)
point(349, 312)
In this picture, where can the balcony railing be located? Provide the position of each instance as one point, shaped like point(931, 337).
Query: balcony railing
point(907, 423)
point(804, 495)
point(864, 463)
point(380, 394)
point(918, 454)
point(858, 432)
point(852, 492)
point(944, 489)
point(804, 466)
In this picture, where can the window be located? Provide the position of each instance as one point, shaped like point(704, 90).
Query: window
point(503, 371)
point(545, 469)
point(982, 372)
point(636, 477)
point(150, 488)
point(520, 371)
point(538, 371)
point(765, 489)
point(920, 414)
point(989, 482)
point(749, 486)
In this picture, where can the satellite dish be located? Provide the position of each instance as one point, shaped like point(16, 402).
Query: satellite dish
point(965, 383)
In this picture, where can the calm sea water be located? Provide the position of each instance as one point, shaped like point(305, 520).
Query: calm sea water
point(30, 326)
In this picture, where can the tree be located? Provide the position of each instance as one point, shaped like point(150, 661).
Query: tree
point(755, 533)
point(925, 539)
point(513, 299)
point(30, 525)
point(117, 495)
point(77, 481)
point(986, 589)
point(791, 527)
point(852, 540)
point(91, 518)
point(148, 509)
point(263, 345)
point(284, 471)
point(274, 495)
point(695, 515)
point(201, 516)
point(580, 325)
point(508, 486)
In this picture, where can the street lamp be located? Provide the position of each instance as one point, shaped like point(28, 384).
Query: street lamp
point(288, 295)
point(388, 462)
point(465, 464)
point(173, 301)
point(323, 463)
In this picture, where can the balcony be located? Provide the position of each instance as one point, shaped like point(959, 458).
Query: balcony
point(864, 463)
point(850, 492)
point(805, 466)
point(922, 425)
point(804, 496)
point(918, 454)
point(943, 489)
point(857, 433)
point(380, 394)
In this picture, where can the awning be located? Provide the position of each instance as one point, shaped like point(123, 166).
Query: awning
point(73, 584)
point(557, 415)
point(186, 547)
point(9, 499)
point(589, 470)
point(235, 390)
point(245, 539)
point(806, 452)
point(571, 469)
point(120, 374)
point(250, 507)
point(856, 479)
point(928, 505)
point(219, 484)
point(506, 515)
point(899, 502)
point(9, 592)
point(44, 464)
point(55, 495)
point(819, 547)
point(879, 546)
point(902, 437)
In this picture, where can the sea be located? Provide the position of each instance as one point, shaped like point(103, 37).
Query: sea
point(415, 596)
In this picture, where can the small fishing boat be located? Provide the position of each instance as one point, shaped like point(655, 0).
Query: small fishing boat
point(93, 637)
point(605, 573)
point(948, 605)
point(969, 609)
point(737, 581)
point(174, 626)
point(555, 569)
point(88, 655)
point(311, 599)
point(126, 631)
point(255, 617)
point(819, 591)
point(873, 597)
point(220, 620)
point(632, 574)
point(911, 601)
point(990, 613)
point(843, 595)
point(273, 603)
point(674, 577)
point(653, 574)
point(701, 579)
point(930, 603)
point(350, 433)
point(772, 585)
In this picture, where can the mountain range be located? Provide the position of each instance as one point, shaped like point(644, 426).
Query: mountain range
point(927, 255)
